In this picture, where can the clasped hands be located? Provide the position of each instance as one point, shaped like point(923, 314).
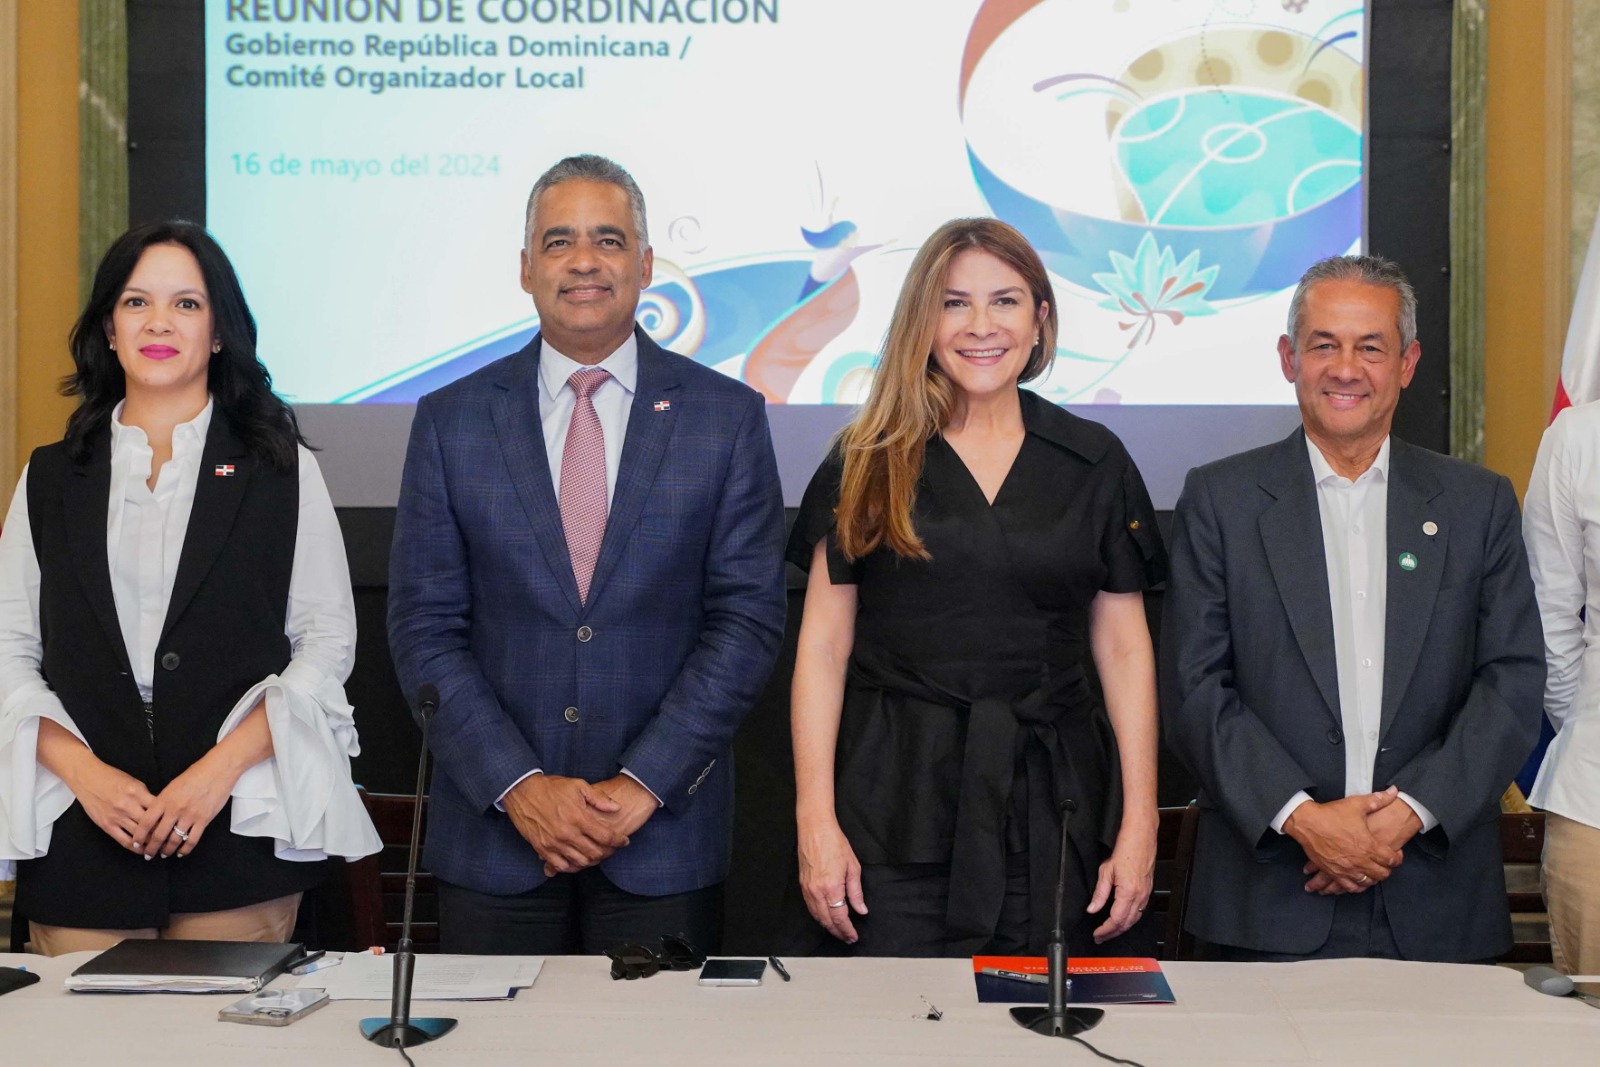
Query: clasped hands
point(573, 824)
point(140, 822)
point(173, 821)
point(1354, 843)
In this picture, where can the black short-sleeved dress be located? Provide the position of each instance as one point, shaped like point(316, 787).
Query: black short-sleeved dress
point(968, 718)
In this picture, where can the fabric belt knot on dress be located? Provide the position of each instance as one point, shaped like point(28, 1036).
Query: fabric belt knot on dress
point(997, 730)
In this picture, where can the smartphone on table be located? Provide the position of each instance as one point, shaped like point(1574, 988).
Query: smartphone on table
point(274, 1007)
point(733, 972)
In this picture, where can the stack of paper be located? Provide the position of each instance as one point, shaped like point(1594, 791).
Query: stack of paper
point(160, 983)
point(364, 976)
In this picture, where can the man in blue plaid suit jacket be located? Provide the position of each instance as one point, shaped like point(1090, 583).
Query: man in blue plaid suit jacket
point(585, 786)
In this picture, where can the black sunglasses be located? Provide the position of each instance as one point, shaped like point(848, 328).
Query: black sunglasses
point(635, 960)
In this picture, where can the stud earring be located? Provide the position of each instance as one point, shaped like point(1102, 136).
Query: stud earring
point(111, 345)
point(216, 346)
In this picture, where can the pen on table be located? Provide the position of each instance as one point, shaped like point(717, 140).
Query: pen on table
point(777, 965)
point(319, 965)
point(1017, 976)
point(306, 964)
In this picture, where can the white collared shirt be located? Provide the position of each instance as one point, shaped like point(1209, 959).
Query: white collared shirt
point(312, 728)
point(612, 402)
point(145, 530)
point(1561, 524)
point(1355, 514)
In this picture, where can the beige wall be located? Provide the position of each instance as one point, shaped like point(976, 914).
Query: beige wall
point(1528, 224)
point(47, 217)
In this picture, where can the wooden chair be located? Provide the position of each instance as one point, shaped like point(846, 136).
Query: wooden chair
point(1174, 864)
point(378, 883)
point(1522, 842)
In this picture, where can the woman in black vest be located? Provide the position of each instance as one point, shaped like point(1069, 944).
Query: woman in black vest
point(176, 625)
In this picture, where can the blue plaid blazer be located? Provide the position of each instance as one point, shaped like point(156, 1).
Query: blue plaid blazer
point(683, 623)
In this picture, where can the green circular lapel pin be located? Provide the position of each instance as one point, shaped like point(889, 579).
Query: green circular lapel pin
point(1408, 562)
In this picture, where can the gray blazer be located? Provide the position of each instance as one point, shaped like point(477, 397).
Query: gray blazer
point(1250, 696)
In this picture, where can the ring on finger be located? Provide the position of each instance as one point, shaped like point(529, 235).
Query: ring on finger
point(837, 904)
point(180, 833)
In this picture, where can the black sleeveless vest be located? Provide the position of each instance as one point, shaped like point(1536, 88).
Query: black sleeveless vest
point(223, 633)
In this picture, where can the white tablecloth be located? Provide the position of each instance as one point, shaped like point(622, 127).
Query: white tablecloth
point(1365, 1012)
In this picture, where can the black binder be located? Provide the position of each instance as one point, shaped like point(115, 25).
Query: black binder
point(140, 965)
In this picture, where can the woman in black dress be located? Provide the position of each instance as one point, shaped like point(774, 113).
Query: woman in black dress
point(969, 546)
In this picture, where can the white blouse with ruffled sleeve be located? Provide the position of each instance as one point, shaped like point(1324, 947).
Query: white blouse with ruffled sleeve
point(301, 796)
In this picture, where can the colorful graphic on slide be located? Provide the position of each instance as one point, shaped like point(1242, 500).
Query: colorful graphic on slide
point(1177, 163)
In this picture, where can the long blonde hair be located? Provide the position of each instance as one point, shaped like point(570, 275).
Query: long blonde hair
point(911, 399)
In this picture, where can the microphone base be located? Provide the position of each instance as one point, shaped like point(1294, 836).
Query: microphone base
point(1071, 1021)
point(390, 1034)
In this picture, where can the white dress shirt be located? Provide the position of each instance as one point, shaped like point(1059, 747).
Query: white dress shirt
point(1561, 524)
point(613, 402)
point(145, 530)
point(302, 795)
point(1355, 540)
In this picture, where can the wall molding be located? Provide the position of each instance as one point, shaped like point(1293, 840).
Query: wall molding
point(1469, 67)
point(8, 241)
point(1583, 127)
point(102, 131)
point(1557, 221)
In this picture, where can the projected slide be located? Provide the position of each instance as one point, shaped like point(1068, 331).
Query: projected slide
point(1177, 163)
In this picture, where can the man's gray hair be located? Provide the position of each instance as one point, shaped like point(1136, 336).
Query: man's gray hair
point(1372, 270)
point(588, 168)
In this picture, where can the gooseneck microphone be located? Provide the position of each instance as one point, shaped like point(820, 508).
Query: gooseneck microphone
point(399, 1030)
point(1056, 1019)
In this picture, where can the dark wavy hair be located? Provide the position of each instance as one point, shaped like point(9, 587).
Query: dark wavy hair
point(239, 383)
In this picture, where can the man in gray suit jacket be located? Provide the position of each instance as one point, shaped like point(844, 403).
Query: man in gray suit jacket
point(1352, 662)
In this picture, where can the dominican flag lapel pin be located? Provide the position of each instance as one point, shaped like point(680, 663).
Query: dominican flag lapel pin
point(662, 405)
point(223, 470)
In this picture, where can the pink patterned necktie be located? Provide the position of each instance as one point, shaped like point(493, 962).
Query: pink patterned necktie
point(583, 480)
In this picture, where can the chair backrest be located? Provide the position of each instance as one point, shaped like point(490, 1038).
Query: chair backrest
point(378, 883)
point(1522, 843)
point(1174, 865)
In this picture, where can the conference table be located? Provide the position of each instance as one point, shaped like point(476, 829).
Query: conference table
point(863, 1011)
